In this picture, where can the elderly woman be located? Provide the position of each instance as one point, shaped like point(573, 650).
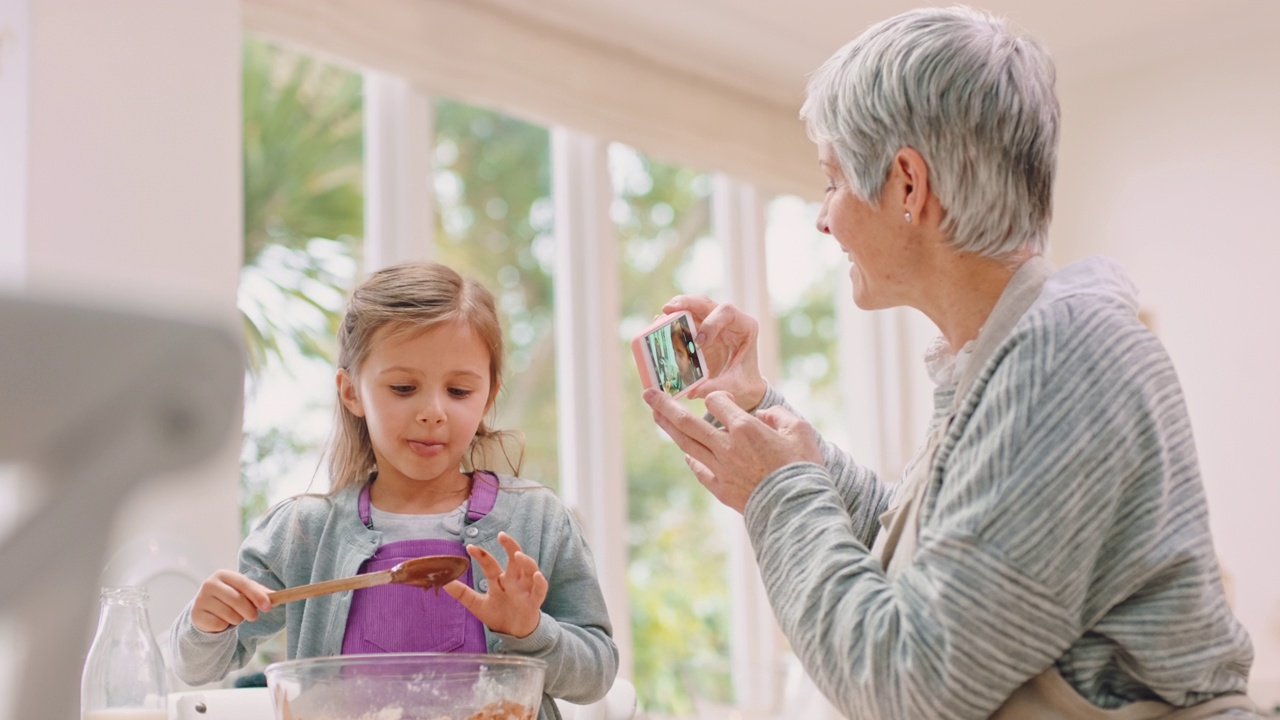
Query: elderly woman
point(1047, 552)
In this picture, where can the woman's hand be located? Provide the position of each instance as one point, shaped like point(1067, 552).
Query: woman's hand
point(727, 339)
point(226, 599)
point(733, 461)
point(513, 605)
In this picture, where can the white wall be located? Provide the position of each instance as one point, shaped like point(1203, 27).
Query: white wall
point(134, 188)
point(121, 125)
point(14, 90)
point(1172, 167)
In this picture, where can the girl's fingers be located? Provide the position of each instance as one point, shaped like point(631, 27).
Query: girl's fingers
point(251, 591)
point(221, 606)
point(221, 596)
point(509, 544)
point(528, 566)
point(517, 570)
point(519, 565)
point(488, 563)
point(514, 599)
point(232, 614)
point(470, 599)
point(520, 583)
point(538, 593)
point(209, 622)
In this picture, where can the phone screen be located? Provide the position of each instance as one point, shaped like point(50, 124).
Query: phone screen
point(673, 355)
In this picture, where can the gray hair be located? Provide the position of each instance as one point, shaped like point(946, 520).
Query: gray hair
point(974, 99)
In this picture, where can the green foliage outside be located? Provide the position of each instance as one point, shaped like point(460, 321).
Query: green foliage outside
point(807, 334)
point(677, 581)
point(494, 223)
point(807, 271)
point(303, 147)
point(303, 179)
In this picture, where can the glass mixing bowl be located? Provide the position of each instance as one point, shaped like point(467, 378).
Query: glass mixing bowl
point(407, 686)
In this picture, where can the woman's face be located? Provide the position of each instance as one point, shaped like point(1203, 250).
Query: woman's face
point(872, 236)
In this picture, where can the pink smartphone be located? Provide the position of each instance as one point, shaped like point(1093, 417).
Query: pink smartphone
point(667, 356)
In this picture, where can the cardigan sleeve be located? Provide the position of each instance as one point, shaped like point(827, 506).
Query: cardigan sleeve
point(199, 657)
point(863, 495)
point(574, 635)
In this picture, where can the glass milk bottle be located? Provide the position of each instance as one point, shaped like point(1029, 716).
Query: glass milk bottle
point(124, 675)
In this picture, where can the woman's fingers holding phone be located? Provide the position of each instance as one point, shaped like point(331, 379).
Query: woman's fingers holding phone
point(737, 327)
point(712, 318)
point(729, 338)
point(698, 305)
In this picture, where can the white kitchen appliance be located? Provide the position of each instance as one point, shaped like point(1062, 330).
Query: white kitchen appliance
point(92, 403)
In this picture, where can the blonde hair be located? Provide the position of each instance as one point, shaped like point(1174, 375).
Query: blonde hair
point(411, 298)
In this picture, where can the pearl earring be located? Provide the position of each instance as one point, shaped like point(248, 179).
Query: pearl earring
point(907, 215)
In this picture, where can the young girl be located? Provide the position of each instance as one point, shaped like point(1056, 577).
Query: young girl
point(419, 365)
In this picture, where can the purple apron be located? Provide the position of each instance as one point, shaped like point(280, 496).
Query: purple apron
point(402, 618)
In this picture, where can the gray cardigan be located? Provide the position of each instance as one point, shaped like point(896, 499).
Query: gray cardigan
point(1064, 523)
point(312, 538)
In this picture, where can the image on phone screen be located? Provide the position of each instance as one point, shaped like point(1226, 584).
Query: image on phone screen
point(673, 355)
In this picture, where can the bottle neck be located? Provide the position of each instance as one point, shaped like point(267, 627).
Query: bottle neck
point(124, 670)
point(123, 607)
point(128, 595)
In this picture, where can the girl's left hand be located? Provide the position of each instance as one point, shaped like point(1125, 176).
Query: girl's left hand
point(513, 605)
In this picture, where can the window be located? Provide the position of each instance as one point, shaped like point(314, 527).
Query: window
point(493, 196)
point(806, 271)
point(678, 585)
point(304, 212)
point(491, 178)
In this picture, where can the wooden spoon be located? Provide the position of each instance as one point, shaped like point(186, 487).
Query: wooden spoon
point(432, 571)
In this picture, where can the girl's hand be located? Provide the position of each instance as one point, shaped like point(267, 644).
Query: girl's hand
point(226, 599)
point(513, 605)
point(727, 337)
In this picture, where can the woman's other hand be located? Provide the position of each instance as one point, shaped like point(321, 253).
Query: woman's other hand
point(733, 461)
point(513, 604)
point(727, 338)
point(226, 599)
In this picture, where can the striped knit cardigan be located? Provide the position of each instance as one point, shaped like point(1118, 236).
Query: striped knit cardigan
point(1065, 523)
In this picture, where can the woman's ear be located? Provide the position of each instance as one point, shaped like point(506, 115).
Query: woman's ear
point(347, 393)
point(912, 173)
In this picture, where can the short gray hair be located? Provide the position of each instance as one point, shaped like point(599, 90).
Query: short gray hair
point(974, 99)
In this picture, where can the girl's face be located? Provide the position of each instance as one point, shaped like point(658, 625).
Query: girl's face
point(423, 396)
point(683, 359)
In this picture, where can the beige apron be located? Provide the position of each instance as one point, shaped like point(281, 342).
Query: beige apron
point(1046, 696)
